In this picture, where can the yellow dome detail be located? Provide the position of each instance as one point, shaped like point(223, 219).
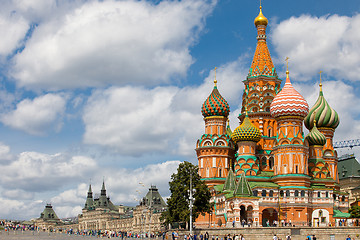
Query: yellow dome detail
point(246, 132)
point(260, 19)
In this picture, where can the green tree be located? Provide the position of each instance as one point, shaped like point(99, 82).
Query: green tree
point(355, 211)
point(178, 210)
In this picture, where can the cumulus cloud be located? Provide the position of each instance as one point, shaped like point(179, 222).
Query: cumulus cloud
point(328, 43)
point(38, 116)
point(13, 28)
point(136, 121)
point(112, 42)
point(5, 154)
point(39, 172)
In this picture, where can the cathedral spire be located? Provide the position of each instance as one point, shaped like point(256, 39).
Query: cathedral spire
point(103, 190)
point(262, 63)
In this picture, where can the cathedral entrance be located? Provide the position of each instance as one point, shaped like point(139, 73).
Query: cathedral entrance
point(269, 215)
point(243, 215)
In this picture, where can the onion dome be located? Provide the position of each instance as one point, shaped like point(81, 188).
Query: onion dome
point(246, 132)
point(260, 19)
point(315, 137)
point(324, 115)
point(215, 104)
point(288, 102)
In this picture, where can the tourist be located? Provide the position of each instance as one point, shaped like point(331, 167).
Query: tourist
point(242, 237)
point(288, 237)
point(313, 238)
point(275, 237)
point(308, 237)
point(348, 237)
point(206, 236)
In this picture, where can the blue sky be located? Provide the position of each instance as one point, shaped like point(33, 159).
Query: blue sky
point(113, 89)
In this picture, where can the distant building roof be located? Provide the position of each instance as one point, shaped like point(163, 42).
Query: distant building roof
point(348, 166)
point(49, 214)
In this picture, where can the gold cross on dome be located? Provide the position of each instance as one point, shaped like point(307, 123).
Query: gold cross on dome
point(287, 63)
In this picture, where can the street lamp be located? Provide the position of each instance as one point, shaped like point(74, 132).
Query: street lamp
point(191, 191)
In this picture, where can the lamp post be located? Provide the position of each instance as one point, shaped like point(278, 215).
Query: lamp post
point(191, 202)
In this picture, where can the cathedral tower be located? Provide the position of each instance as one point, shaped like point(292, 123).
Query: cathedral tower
point(215, 149)
point(246, 136)
point(327, 121)
point(289, 109)
point(261, 86)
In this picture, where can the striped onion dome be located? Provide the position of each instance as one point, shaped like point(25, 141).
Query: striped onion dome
point(288, 102)
point(246, 132)
point(324, 115)
point(315, 137)
point(215, 105)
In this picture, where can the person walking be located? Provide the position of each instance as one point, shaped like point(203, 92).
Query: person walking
point(275, 237)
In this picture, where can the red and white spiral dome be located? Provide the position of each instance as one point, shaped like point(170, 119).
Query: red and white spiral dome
point(288, 102)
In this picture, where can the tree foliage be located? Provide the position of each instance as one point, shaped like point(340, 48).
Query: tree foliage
point(178, 204)
point(355, 211)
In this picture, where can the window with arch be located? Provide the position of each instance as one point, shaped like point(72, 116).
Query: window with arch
point(281, 193)
point(220, 173)
point(269, 132)
point(255, 193)
point(296, 193)
point(296, 169)
point(287, 193)
point(271, 193)
point(343, 198)
point(327, 194)
point(263, 193)
point(271, 162)
point(318, 194)
point(302, 193)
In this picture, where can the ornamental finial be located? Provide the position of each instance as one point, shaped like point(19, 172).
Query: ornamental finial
point(320, 81)
point(215, 81)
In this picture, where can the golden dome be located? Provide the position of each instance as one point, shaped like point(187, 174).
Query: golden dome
point(260, 19)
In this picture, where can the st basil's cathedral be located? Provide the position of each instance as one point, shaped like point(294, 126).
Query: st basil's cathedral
point(267, 171)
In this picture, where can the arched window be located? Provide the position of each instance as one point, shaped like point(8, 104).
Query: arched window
point(318, 194)
point(281, 193)
point(296, 193)
point(287, 193)
point(255, 193)
point(343, 199)
point(327, 194)
point(220, 172)
point(271, 193)
point(263, 193)
point(269, 132)
point(271, 162)
point(302, 193)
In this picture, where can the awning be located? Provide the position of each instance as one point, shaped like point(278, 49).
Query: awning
point(340, 214)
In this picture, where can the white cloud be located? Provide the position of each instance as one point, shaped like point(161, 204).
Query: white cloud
point(38, 116)
point(5, 155)
point(13, 28)
point(112, 42)
point(137, 121)
point(17, 194)
point(20, 210)
point(328, 43)
point(38, 172)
